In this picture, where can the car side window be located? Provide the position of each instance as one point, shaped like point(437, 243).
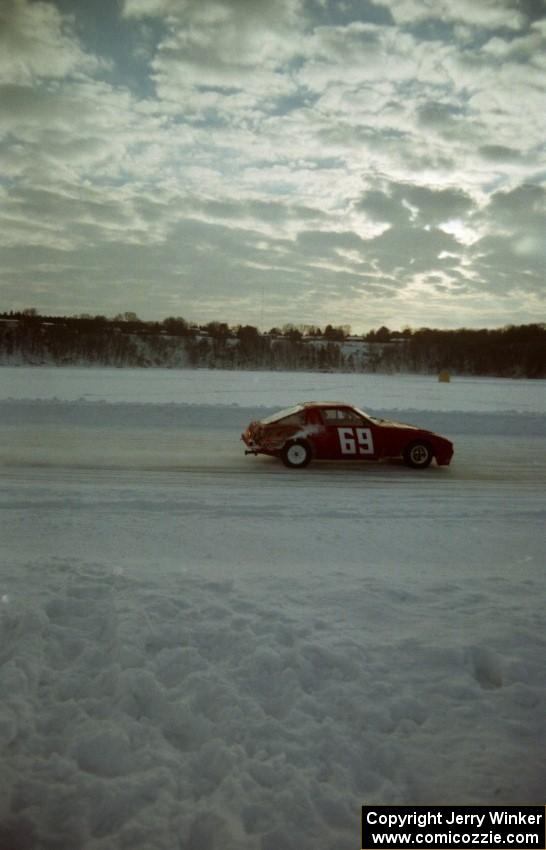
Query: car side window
point(331, 415)
point(341, 416)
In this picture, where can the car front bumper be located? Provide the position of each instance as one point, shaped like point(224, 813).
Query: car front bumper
point(444, 455)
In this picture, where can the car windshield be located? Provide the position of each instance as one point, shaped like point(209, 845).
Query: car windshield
point(282, 414)
point(367, 415)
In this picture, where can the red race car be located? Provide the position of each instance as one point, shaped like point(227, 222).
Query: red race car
point(328, 430)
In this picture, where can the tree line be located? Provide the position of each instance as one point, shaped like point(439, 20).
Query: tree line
point(125, 340)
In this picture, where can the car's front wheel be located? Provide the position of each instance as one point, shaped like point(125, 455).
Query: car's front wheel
point(418, 455)
point(296, 454)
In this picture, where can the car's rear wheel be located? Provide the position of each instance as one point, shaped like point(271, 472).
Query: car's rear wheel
point(296, 454)
point(418, 455)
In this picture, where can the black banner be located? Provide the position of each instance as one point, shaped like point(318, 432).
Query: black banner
point(439, 827)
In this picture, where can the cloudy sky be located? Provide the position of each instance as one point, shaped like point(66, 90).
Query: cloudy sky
point(359, 162)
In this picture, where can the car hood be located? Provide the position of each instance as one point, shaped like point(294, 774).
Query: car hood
point(390, 423)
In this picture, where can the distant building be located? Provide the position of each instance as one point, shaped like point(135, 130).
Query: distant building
point(7, 324)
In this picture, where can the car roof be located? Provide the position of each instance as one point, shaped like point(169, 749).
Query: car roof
point(326, 404)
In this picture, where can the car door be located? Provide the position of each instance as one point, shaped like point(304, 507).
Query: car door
point(345, 435)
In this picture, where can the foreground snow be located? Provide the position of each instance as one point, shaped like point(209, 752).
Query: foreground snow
point(204, 650)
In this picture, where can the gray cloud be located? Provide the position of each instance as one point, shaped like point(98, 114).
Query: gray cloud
point(499, 153)
point(401, 203)
point(512, 256)
point(487, 15)
point(37, 41)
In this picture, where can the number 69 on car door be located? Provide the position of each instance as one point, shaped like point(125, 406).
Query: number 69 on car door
point(354, 441)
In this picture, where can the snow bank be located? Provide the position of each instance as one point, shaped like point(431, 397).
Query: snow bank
point(187, 711)
point(272, 389)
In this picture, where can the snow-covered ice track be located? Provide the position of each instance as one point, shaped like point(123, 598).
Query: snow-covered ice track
point(185, 453)
point(319, 475)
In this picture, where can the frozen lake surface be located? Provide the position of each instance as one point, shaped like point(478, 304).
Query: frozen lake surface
point(271, 389)
point(205, 650)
